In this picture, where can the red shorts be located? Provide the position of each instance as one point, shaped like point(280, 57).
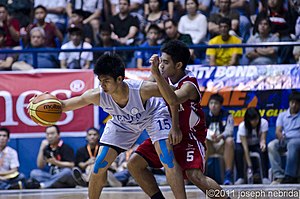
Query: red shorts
point(189, 154)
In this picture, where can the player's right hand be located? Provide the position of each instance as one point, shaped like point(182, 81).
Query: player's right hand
point(175, 136)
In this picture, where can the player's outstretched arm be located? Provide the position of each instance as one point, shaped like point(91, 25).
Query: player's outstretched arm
point(89, 97)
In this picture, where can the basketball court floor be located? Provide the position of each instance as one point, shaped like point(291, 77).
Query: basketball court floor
point(236, 192)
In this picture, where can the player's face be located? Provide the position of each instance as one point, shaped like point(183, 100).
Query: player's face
point(108, 83)
point(215, 106)
point(52, 135)
point(92, 136)
point(3, 139)
point(167, 66)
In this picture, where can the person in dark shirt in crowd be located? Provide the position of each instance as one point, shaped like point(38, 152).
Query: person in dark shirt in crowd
point(86, 156)
point(59, 157)
point(219, 134)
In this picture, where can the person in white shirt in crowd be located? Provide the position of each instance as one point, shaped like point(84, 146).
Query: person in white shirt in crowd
point(75, 60)
point(251, 137)
point(193, 23)
point(10, 178)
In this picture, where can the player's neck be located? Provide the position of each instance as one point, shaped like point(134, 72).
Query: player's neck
point(178, 76)
point(121, 95)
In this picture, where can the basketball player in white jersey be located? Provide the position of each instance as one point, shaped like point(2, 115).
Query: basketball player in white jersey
point(134, 107)
point(190, 150)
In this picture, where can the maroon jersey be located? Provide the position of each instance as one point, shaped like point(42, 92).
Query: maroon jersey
point(191, 115)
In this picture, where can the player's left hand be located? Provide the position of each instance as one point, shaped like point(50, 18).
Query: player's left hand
point(175, 136)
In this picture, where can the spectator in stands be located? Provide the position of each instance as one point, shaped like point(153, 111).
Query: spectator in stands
point(77, 20)
point(86, 156)
point(224, 11)
point(53, 35)
point(283, 25)
point(125, 26)
point(44, 60)
point(156, 15)
point(59, 157)
point(166, 5)
point(105, 40)
point(92, 11)
point(193, 23)
point(20, 10)
point(75, 60)
point(288, 140)
point(11, 27)
point(172, 33)
point(55, 12)
point(6, 59)
point(251, 137)
point(205, 6)
point(142, 57)
point(220, 134)
point(10, 178)
point(224, 56)
point(262, 33)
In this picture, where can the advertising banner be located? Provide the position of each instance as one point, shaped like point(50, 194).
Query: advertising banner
point(266, 87)
point(16, 88)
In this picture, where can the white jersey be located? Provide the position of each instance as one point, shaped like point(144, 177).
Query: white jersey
point(129, 122)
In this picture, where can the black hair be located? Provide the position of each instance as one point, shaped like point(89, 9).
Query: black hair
point(294, 96)
point(226, 21)
point(252, 114)
point(178, 51)
point(56, 127)
point(110, 64)
point(105, 27)
point(93, 128)
point(40, 6)
point(195, 1)
point(216, 97)
point(170, 20)
point(260, 17)
point(155, 27)
point(3, 6)
point(4, 128)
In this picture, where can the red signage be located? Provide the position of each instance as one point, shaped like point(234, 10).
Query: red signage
point(17, 88)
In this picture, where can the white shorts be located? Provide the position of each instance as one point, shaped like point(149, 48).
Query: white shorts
point(124, 136)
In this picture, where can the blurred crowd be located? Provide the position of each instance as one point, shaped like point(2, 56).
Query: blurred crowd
point(75, 24)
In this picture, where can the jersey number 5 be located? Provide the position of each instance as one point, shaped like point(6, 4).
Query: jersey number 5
point(190, 156)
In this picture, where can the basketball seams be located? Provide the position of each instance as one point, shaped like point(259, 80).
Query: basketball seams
point(45, 110)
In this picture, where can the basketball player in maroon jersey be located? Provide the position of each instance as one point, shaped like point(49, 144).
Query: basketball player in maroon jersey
point(190, 151)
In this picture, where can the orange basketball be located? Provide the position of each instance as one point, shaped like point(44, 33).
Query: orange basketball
point(45, 109)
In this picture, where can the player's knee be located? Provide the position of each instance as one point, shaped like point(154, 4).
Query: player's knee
point(101, 163)
point(135, 163)
point(167, 155)
point(229, 141)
